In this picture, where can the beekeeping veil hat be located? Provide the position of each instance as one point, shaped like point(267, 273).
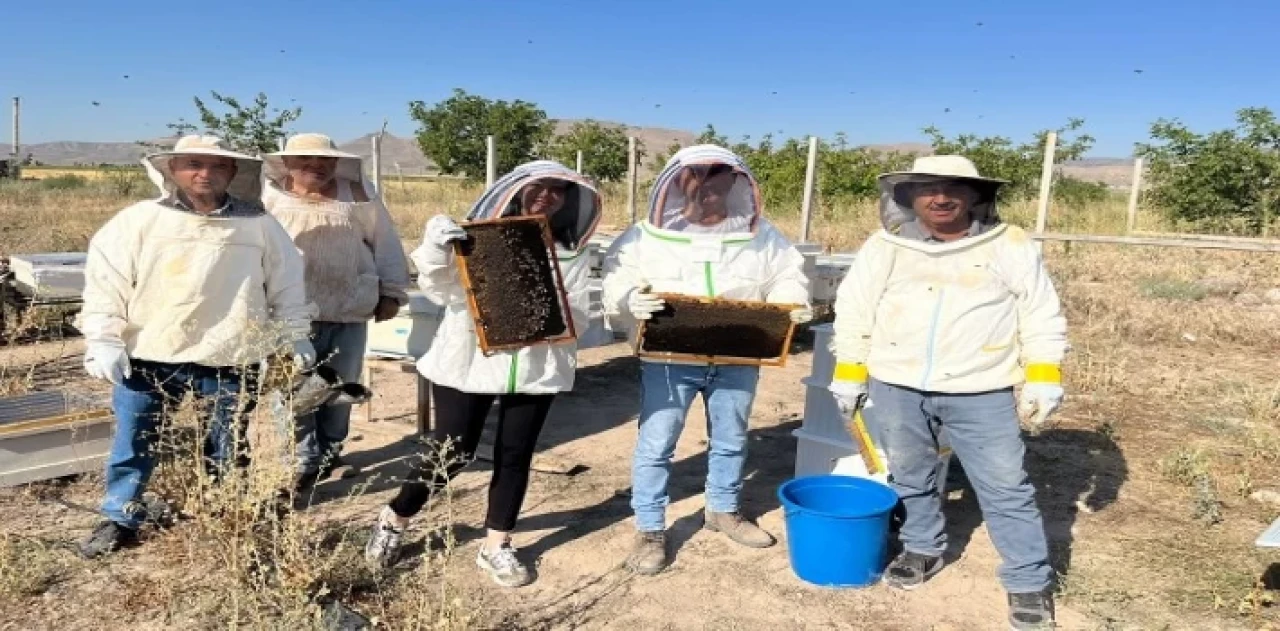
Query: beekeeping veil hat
point(350, 166)
point(245, 186)
point(571, 226)
point(896, 189)
point(705, 179)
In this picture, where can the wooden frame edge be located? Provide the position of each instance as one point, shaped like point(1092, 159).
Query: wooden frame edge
point(722, 360)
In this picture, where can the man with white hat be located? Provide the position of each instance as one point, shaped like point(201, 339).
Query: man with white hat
point(943, 312)
point(355, 270)
point(187, 293)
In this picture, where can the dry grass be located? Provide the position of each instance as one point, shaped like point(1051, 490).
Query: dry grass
point(1173, 383)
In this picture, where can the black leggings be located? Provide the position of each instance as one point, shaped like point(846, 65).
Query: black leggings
point(459, 422)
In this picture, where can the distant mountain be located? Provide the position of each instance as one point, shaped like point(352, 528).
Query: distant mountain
point(69, 153)
point(397, 152)
point(400, 154)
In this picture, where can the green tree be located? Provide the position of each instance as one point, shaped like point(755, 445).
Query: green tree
point(1020, 164)
point(452, 132)
point(843, 171)
point(254, 128)
point(603, 147)
point(1224, 180)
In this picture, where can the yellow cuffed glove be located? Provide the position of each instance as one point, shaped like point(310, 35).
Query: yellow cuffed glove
point(1041, 396)
point(849, 386)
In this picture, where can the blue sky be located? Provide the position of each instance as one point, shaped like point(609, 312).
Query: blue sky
point(877, 71)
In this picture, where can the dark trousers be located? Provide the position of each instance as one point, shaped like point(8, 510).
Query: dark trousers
point(459, 421)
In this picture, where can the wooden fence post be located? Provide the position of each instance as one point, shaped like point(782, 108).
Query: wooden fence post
point(1046, 182)
point(1134, 191)
point(810, 173)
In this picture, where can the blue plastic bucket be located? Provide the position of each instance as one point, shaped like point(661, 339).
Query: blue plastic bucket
point(837, 528)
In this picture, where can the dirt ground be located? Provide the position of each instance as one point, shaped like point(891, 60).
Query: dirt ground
point(1120, 532)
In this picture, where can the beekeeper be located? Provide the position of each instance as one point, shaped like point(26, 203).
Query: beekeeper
point(704, 236)
point(943, 312)
point(355, 271)
point(465, 382)
point(188, 292)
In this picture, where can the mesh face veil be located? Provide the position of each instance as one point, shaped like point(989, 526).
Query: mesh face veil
point(705, 190)
point(572, 224)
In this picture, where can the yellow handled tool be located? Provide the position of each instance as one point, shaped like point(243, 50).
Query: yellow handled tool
point(858, 430)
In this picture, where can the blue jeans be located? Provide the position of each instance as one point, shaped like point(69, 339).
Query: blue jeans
point(667, 391)
point(340, 346)
point(983, 431)
point(140, 405)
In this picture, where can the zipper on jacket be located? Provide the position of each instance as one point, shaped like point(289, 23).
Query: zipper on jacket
point(711, 285)
point(933, 338)
point(511, 376)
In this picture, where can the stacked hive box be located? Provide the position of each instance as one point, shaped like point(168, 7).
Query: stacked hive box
point(823, 441)
point(52, 277)
point(409, 334)
point(598, 333)
point(828, 271)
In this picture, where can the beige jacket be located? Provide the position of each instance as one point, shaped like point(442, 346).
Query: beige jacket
point(350, 249)
point(177, 287)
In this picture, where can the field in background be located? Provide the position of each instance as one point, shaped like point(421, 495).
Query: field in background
point(1155, 482)
point(79, 199)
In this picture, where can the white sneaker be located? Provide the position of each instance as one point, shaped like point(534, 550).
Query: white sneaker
point(503, 566)
point(384, 542)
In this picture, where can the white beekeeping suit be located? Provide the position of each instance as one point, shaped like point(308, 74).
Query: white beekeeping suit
point(455, 359)
point(173, 286)
point(675, 250)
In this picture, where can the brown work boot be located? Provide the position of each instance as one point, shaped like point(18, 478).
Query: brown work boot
point(649, 556)
point(738, 528)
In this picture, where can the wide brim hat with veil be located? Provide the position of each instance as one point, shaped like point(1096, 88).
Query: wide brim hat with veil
point(895, 188)
point(575, 222)
point(246, 185)
point(669, 199)
point(350, 166)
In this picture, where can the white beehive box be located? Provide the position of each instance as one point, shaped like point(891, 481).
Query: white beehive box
point(829, 271)
point(810, 252)
point(824, 444)
point(598, 333)
point(821, 415)
point(816, 455)
point(54, 276)
point(46, 435)
point(824, 358)
point(409, 334)
point(597, 246)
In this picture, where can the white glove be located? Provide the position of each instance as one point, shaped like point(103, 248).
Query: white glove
point(1038, 401)
point(643, 304)
point(849, 395)
point(802, 315)
point(304, 354)
point(441, 230)
point(107, 361)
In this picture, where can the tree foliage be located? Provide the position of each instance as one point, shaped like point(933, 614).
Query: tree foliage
point(452, 132)
point(844, 171)
point(1020, 164)
point(254, 128)
point(1225, 179)
point(603, 147)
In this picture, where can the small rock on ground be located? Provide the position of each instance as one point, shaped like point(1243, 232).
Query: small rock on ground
point(1272, 296)
point(1266, 496)
point(1248, 300)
